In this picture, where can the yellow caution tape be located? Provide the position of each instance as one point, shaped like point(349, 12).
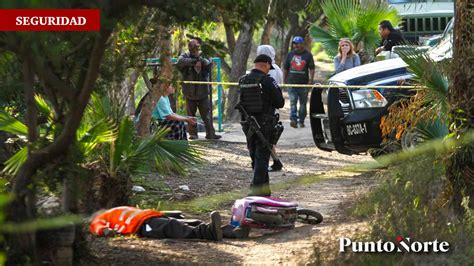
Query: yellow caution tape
point(312, 86)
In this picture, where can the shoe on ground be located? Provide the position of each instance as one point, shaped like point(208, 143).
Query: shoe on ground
point(277, 166)
point(293, 124)
point(301, 125)
point(215, 226)
point(214, 137)
point(241, 232)
point(230, 231)
point(193, 137)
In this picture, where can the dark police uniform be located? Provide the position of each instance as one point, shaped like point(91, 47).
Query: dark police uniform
point(260, 96)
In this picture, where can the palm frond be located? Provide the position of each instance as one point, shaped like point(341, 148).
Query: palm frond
point(329, 42)
point(168, 156)
point(334, 10)
point(44, 107)
point(13, 164)
point(128, 154)
point(432, 129)
point(98, 108)
point(11, 125)
point(175, 156)
point(122, 145)
point(90, 136)
point(354, 20)
point(432, 75)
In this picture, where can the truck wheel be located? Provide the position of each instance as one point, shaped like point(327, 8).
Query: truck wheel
point(411, 138)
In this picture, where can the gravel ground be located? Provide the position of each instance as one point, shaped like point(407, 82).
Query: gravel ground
point(227, 168)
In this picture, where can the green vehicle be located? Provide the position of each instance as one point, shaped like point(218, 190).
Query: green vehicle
point(421, 20)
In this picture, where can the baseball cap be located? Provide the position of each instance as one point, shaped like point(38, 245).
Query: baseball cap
point(298, 39)
point(263, 58)
point(194, 43)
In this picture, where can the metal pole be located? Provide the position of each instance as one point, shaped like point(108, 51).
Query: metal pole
point(219, 96)
point(209, 78)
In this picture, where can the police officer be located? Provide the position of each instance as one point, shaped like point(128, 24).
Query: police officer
point(260, 96)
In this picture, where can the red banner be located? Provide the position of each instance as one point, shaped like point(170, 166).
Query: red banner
point(49, 19)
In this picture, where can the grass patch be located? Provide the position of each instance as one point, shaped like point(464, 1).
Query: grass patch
point(412, 200)
point(212, 202)
point(323, 57)
point(155, 190)
point(151, 198)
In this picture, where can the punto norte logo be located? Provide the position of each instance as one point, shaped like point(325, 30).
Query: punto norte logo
point(400, 245)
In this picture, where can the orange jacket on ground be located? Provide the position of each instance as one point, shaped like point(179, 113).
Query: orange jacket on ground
point(122, 220)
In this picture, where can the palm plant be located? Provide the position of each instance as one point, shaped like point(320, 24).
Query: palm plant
point(89, 135)
point(433, 119)
point(111, 145)
point(425, 115)
point(125, 151)
point(434, 78)
point(353, 19)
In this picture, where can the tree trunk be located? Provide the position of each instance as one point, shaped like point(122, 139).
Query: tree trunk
point(267, 32)
point(270, 21)
point(22, 208)
point(23, 246)
point(239, 66)
point(285, 46)
point(460, 170)
point(298, 27)
point(229, 34)
point(128, 86)
point(157, 90)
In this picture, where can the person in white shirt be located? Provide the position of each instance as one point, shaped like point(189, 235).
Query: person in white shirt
point(277, 75)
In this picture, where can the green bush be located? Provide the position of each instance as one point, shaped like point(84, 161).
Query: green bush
point(412, 201)
point(316, 48)
point(353, 19)
point(323, 57)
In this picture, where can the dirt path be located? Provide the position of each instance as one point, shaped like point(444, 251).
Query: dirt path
point(227, 168)
point(325, 195)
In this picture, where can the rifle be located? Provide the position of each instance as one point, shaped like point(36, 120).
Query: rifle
point(255, 127)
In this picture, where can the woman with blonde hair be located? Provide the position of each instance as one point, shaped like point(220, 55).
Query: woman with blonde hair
point(346, 58)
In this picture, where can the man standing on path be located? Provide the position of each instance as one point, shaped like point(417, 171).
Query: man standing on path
point(298, 69)
point(260, 96)
point(193, 67)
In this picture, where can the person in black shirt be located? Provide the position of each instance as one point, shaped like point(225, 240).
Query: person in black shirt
point(390, 37)
point(298, 69)
point(260, 96)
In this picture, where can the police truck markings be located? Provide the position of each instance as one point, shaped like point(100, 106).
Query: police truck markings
point(356, 129)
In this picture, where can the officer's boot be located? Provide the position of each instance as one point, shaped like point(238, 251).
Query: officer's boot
point(277, 166)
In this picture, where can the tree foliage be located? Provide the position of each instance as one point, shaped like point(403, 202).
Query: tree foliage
point(63, 67)
point(353, 19)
